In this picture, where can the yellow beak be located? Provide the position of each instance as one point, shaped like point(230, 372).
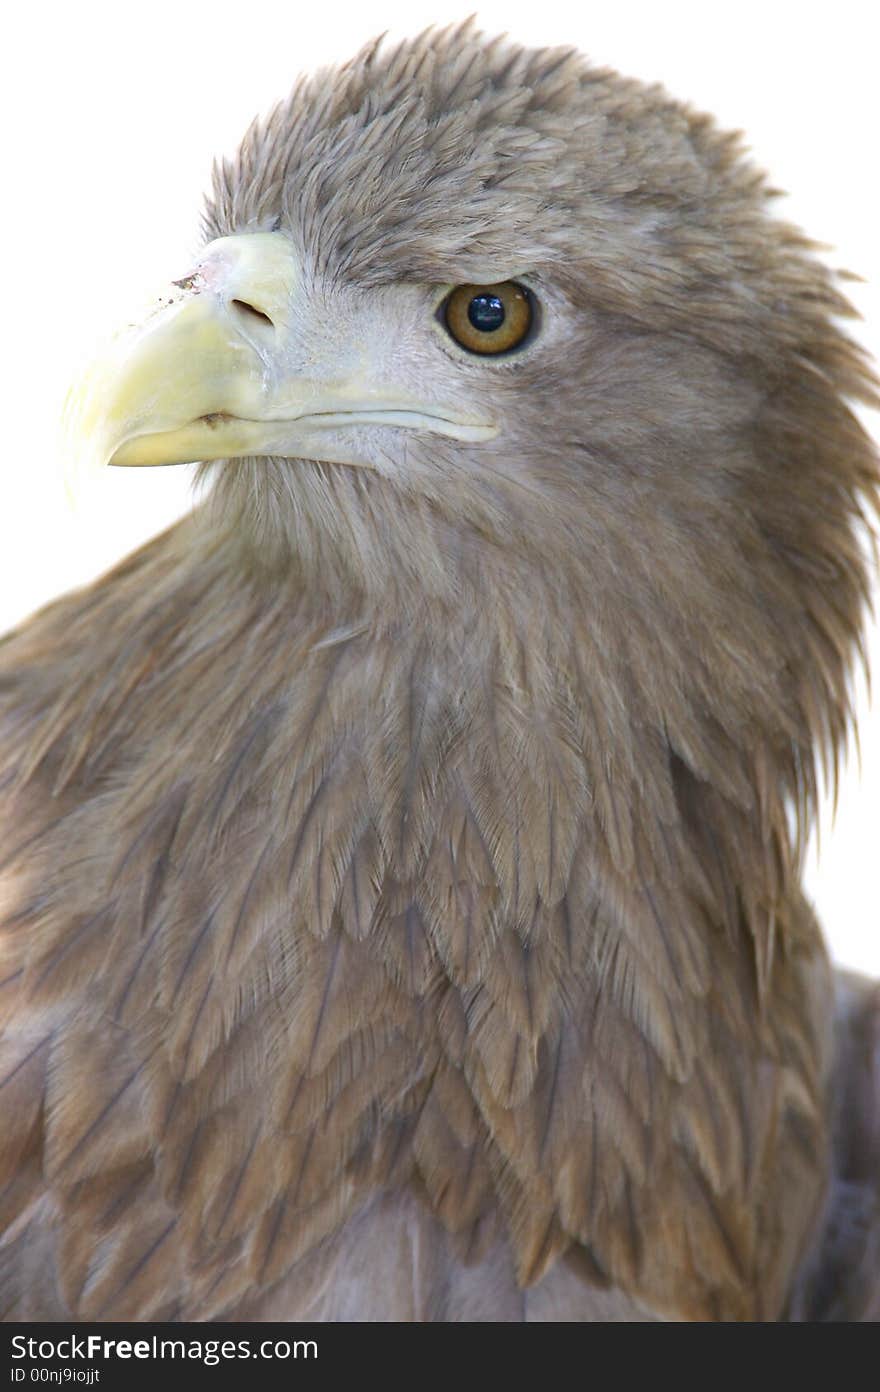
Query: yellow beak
point(208, 375)
point(193, 381)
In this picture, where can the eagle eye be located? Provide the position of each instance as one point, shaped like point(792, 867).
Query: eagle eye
point(489, 319)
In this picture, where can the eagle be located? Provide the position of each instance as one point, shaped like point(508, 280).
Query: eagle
point(401, 909)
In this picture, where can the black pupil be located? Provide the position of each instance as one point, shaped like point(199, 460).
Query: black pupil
point(486, 313)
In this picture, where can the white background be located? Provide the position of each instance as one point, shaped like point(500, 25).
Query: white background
point(113, 112)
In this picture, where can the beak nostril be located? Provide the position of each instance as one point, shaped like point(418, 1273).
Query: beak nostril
point(251, 312)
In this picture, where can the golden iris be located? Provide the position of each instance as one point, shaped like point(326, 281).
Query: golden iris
point(489, 318)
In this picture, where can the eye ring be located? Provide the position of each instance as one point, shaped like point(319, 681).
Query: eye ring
point(489, 320)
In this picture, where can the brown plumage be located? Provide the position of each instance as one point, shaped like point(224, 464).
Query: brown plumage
point(400, 869)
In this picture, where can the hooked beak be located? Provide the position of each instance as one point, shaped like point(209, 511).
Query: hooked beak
point(204, 376)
